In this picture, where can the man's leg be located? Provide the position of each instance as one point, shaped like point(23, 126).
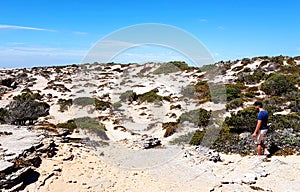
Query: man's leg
point(263, 147)
point(259, 149)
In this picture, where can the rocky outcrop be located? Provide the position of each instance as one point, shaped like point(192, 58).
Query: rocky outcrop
point(20, 153)
point(147, 142)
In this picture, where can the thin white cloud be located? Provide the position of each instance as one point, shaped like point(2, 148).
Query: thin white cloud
point(41, 51)
point(80, 33)
point(221, 28)
point(16, 27)
point(25, 56)
point(203, 20)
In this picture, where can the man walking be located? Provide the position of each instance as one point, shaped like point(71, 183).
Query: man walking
point(261, 127)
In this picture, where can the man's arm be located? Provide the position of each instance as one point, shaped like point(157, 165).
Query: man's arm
point(257, 128)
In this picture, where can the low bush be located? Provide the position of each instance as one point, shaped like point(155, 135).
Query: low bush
point(226, 141)
point(86, 123)
point(84, 101)
point(279, 84)
point(150, 96)
point(290, 69)
point(197, 137)
point(21, 111)
point(70, 125)
point(289, 121)
point(172, 67)
point(233, 91)
point(3, 114)
point(235, 103)
point(102, 105)
point(128, 96)
point(64, 104)
point(170, 128)
point(182, 139)
point(199, 117)
point(28, 96)
point(117, 105)
point(254, 78)
point(244, 120)
point(273, 104)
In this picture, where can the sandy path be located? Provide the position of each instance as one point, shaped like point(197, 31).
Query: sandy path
point(88, 171)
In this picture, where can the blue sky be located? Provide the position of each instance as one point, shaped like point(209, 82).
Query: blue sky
point(58, 32)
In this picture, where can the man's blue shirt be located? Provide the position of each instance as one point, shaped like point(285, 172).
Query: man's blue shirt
point(263, 116)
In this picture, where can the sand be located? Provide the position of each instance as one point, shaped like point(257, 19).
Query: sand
point(80, 168)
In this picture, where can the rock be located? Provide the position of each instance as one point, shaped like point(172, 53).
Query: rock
point(147, 142)
point(262, 173)
point(5, 165)
point(70, 158)
point(244, 135)
point(151, 142)
point(213, 156)
point(249, 178)
point(20, 153)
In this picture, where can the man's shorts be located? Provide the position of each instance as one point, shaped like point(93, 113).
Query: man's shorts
point(260, 136)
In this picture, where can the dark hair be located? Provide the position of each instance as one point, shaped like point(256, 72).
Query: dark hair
point(258, 103)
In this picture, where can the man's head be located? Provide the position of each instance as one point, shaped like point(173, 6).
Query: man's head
point(258, 104)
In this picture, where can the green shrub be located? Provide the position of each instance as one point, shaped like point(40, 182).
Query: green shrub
point(102, 105)
point(65, 104)
point(70, 125)
point(247, 70)
point(117, 105)
point(181, 65)
point(3, 115)
point(295, 106)
point(290, 69)
point(233, 91)
point(263, 63)
point(238, 68)
point(197, 137)
point(277, 59)
point(244, 120)
point(273, 104)
point(182, 139)
point(150, 96)
point(250, 94)
point(86, 123)
point(218, 94)
point(172, 67)
point(21, 111)
point(279, 84)
point(188, 91)
point(211, 67)
point(84, 101)
point(235, 103)
point(246, 61)
point(286, 122)
point(226, 141)
point(128, 96)
point(28, 96)
point(166, 68)
point(256, 77)
point(199, 117)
